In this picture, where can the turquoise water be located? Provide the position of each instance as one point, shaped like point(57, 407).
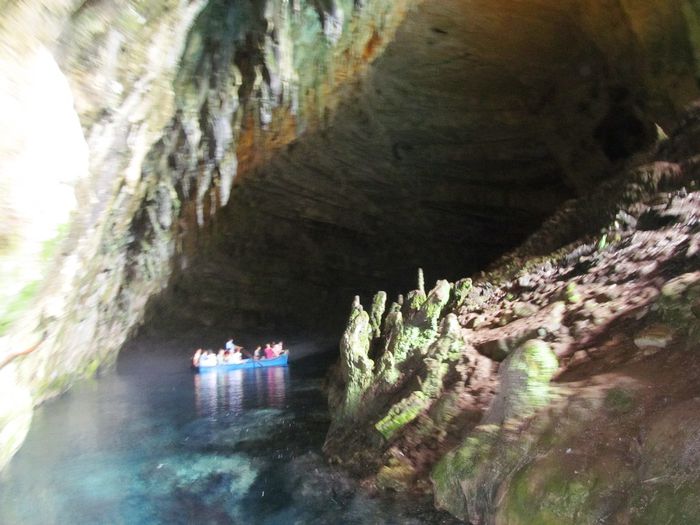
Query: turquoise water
point(155, 443)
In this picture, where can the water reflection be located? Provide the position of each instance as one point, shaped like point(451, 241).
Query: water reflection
point(232, 392)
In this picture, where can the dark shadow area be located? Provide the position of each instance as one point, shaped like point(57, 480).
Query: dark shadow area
point(434, 159)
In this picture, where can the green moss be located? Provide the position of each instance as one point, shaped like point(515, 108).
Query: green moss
point(396, 476)
point(539, 359)
point(671, 504)
point(461, 464)
point(432, 384)
point(548, 496)
point(415, 299)
point(446, 409)
point(411, 337)
point(572, 293)
point(618, 401)
point(91, 368)
point(525, 377)
point(602, 242)
point(401, 414)
point(461, 292)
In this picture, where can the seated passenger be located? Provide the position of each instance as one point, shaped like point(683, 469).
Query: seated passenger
point(277, 349)
point(196, 356)
point(208, 358)
point(258, 353)
point(236, 356)
point(269, 353)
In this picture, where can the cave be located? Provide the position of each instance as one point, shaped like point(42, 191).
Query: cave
point(478, 211)
point(449, 151)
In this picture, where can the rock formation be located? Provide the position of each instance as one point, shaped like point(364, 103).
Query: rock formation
point(257, 163)
point(543, 405)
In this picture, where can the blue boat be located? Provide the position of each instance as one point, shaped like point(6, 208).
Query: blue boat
point(244, 364)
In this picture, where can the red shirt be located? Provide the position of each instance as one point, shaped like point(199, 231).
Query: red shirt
point(269, 354)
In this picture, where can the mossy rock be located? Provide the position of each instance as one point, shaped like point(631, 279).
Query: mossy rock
point(356, 367)
point(402, 413)
point(461, 464)
point(572, 294)
point(678, 298)
point(560, 489)
point(395, 476)
point(670, 504)
point(525, 377)
point(619, 401)
point(436, 371)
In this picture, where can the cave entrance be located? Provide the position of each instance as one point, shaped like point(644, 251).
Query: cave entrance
point(457, 143)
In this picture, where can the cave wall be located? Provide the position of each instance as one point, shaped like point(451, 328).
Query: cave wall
point(161, 90)
point(476, 119)
point(476, 123)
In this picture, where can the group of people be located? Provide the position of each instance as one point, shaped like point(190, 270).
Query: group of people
point(233, 353)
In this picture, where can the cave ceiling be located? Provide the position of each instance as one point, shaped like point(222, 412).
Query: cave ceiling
point(473, 125)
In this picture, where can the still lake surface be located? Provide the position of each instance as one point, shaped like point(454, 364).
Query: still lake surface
point(155, 443)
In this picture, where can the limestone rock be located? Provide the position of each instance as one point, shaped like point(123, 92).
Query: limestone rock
point(523, 309)
point(401, 414)
point(655, 336)
point(378, 305)
point(525, 377)
point(16, 408)
point(356, 366)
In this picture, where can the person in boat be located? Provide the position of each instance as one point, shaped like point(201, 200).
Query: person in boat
point(257, 355)
point(236, 356)
point(196, 356)
point(208, 358)
point(278, 349)
point(269, 352)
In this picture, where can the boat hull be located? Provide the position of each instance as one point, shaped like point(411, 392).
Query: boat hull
point(245, 364)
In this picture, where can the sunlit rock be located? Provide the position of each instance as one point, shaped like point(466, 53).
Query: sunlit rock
point(355, 363)
point(15, 414)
